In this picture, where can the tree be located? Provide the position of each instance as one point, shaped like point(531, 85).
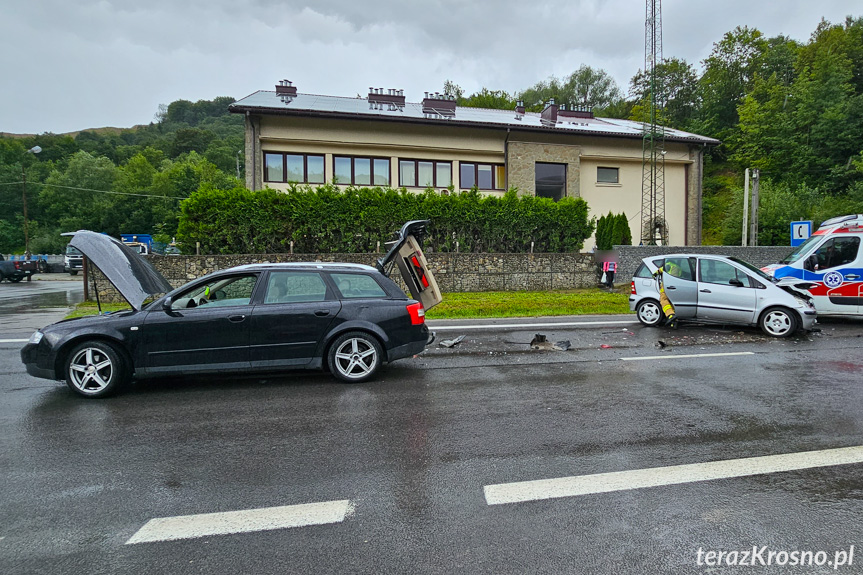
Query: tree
point(678, 94)
point(585, 87)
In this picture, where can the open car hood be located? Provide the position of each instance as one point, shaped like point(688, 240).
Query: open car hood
point(131, 274)
point(407, 254)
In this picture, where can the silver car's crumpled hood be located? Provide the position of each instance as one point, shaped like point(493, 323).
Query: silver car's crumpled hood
point(796, 286)
point(134, 277)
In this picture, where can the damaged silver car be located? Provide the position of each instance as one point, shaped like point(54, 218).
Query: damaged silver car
point(720, 289)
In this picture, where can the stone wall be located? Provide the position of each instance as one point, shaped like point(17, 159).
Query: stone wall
point(453, 272)
point(522, 159)
point(631, 256)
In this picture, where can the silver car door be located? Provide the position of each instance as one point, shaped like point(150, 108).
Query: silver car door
point(725, 293)
point(680, 285)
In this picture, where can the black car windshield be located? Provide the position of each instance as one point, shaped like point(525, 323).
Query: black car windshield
point(801, 249)
point(754, 269)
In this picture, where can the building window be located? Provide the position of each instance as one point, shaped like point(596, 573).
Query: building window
point(607, 175)
point(551, 181)
point(424, 174)
point(360, 171)
point(483, 176)
point(293, 168)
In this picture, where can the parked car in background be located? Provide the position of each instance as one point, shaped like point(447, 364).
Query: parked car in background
point(349, 319)
point(17, 270)
point(719, 289)
point(73, 261)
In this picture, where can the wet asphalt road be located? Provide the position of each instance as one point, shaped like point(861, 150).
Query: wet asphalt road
point(413, 450)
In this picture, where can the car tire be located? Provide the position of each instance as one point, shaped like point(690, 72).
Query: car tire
point(778, 322)
point(649, 313)
point(73, 272)
point(15, 279)
point(95, 369)
point(355, 357)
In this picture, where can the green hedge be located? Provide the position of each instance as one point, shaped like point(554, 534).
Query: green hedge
point(327, 220)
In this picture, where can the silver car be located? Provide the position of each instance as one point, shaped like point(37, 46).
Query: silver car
point(720, 289)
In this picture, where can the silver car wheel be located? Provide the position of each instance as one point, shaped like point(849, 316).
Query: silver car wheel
point(356, 358)
point(91, 370)
point(777, 323)
point(649, 313)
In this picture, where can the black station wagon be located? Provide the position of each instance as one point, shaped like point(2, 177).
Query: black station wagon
point(347, 318)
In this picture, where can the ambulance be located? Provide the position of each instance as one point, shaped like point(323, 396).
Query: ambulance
point(832, 260)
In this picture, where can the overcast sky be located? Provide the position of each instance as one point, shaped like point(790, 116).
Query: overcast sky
point(70, 65)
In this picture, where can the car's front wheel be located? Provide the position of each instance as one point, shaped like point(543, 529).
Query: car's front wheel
point(778, 322)
point(96, 369)
point(649, 313)
point(355, 357)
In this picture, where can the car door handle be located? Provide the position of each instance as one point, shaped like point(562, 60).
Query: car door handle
point(322, 312)
point(853, 277)
point(236, 318)
point(670, 287)
point(705, 291)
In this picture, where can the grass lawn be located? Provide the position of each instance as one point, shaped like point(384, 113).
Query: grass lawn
point(489, 304)
point(529, 304)
point(90, 308)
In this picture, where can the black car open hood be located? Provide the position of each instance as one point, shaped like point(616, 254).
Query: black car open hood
point(134, 277)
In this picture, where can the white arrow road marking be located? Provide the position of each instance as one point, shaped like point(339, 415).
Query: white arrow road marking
point(670, 356)
point(529, 325)
point(191, 526)
point(673, 475)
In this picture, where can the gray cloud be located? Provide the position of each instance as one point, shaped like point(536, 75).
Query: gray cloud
point(74, 65)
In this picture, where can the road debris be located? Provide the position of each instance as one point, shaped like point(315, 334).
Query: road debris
point(660, 344)
point(451, 342)
point(541, 342)
point(605, 346)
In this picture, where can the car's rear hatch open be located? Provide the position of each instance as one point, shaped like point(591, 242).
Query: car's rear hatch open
point(130, 273)
point(407, 254)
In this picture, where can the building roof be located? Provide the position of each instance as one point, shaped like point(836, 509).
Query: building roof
point(269, 103)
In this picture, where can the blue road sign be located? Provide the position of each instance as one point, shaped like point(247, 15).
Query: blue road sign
point(800, 232)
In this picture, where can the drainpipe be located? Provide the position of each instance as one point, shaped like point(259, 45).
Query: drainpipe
point(506, 160)
point(254, 153)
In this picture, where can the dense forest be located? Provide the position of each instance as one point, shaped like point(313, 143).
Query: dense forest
point(792, 109)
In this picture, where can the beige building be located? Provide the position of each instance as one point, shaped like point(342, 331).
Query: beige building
point(382, 140)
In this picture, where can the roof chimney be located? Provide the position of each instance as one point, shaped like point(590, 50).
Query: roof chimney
point(549, 115)
point(394, 99)
point(519, 108)
point(286, 88)
point(575, 112)
point(438, 104)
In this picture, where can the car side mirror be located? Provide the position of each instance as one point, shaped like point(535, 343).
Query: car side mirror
point(166, 303)
point(735, 282)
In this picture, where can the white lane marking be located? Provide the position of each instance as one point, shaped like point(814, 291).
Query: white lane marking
point(14, 340)
point(685, 356)
point(530, 325)
point(672, 475)
point(264, 519)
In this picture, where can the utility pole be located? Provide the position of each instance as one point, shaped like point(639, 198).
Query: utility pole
point(745, 237)
point(753, 221)
point(24, 203)
point(34, 150)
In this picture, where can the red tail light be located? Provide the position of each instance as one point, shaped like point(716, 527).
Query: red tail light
point(17, 265)
point(632, 287)
point(417, 313)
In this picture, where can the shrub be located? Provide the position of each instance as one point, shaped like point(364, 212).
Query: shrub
point(328, 220)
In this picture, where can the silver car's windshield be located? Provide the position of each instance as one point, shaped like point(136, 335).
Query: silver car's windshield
point(754, 270)
point(801, 249)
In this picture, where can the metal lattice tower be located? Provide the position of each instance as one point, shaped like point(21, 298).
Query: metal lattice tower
point(654, 228)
